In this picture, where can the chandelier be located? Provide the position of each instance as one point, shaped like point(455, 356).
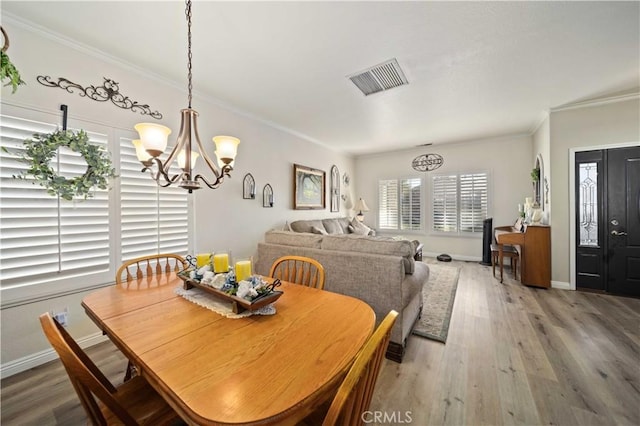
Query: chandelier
point(153, 141)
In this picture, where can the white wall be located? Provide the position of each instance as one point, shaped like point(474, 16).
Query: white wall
point(506, 159)
point(223, 220)
point(601, 125)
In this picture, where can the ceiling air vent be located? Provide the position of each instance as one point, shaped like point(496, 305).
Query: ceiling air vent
point(384, 76)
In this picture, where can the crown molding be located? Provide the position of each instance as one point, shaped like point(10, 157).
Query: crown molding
point(56, 37)
point(597, 102)
point(544, 116)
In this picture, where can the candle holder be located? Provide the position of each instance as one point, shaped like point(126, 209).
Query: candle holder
point(267, 196)
point(248, 187)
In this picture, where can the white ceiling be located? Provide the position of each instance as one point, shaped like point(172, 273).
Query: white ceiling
point(475, 69)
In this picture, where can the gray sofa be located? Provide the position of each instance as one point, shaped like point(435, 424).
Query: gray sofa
point(380, 271)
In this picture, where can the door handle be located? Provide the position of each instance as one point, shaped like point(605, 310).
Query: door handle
point(618, 233)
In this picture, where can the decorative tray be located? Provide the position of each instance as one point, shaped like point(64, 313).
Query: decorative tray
point(239, 304)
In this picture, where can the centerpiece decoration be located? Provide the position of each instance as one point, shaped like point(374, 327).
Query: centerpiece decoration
point(250, 293)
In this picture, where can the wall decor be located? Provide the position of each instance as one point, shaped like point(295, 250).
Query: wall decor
point(41, 151)
point(109, 91)
point(308, 188)
point(346, 179)
point(248, 187)
point(427, 162)
point(7, 69)
point(335, 189)
point(267, 196)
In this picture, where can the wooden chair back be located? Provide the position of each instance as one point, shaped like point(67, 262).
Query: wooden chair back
point(299, 270)
point(150, 265)
point(85, 376)
point(354, 395)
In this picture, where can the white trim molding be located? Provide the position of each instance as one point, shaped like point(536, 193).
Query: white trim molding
point(33, 360)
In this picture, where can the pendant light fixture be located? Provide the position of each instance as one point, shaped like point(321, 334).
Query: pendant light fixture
point(153, 141)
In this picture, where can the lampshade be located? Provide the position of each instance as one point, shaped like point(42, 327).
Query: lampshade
point(153, 136)
point(226, 148)
point(141, 153)
point(361, 206)
point(182, 160)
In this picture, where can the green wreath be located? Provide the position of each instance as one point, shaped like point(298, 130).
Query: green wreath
point(40, 150)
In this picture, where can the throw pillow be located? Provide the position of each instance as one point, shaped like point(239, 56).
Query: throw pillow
point(359, 228)
point(316, 230)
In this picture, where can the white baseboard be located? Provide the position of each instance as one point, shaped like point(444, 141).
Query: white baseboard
point(454, 257)
point(30, 361)
point(560, 285)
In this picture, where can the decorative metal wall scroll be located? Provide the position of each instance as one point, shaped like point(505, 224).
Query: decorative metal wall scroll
point(267, 196)
point(427, 162)
point(248, 187)
point(335, 189)
point(109, 91)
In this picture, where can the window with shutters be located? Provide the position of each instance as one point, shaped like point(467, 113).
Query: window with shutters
point(459, 202)
point(153, 219)
point(49, 245)
point(400, 204)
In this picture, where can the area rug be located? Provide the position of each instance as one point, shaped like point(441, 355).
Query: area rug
point(438, 295)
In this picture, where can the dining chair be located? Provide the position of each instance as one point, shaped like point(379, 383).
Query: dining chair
point(150, 265)
point(299, 270)
point(134, 402)
point(354, 395)
point(140, 267)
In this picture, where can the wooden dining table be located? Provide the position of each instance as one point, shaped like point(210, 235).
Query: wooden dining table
point(261, 369)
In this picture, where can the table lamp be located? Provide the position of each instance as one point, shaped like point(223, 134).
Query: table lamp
point(360, 206)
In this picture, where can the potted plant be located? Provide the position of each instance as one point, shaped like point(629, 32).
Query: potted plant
point(8, 71)
point(535, 175)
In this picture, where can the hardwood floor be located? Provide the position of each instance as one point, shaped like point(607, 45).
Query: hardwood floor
point(514, 355)
point(520, 355)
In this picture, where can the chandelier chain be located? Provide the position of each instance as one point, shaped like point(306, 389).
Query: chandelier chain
point(189, 56)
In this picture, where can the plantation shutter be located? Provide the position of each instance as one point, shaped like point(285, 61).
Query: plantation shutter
point(473, 201)
point(411, 204)
point(445, 203)
point(41, 235)
point(388, 204)
point(154, 219)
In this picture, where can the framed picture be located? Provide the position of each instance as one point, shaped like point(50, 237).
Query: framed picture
point(308, 188)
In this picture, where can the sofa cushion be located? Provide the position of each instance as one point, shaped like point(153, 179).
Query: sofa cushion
point(375, 245)
point(287, 238)
point(359, 228)
point(306, 225)
point(316, 230)
point(333, 226)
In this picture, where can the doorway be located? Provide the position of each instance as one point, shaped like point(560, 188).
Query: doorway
point(607, 220)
